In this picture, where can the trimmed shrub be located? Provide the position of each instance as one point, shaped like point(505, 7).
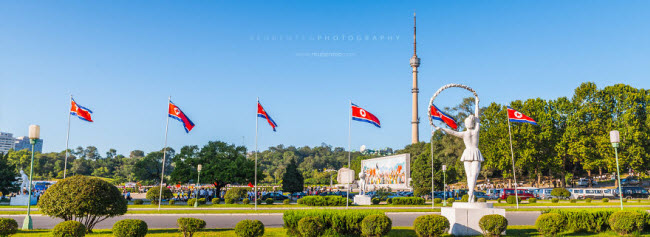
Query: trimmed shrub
point(249, 228)
point(376, 225)
point(311, 226)
point(85, 199)
point(130, 228)
point(269, 201)
point(585, 220)
point(230, 201)
point(605, 199)
point(572, 201)
point(555, 200)
point(323, 201)
point(154, 192)
point(532, 200)
point(286, 201)
point(138, 202)
point(172, 202)
point(561, 192)
point(389, 200)
point(8, 227)
point(188, 226)
point(499, 200)
point(375, 201)
point(481, 200)
point(408, 201)
point(216, 201)
point(191, 201)
point(69, 229)
point(512, 200)
point(493, 225)
point(437, 200)
point(550, 224)
point(465, 198)
point(430, 225)
point(259, 201)
point(450, 200)
point(624, 200)
point(343, 222)
point(588, 200)
point(201, 201)
point(246, 201)
point(236, 193)
point(626, 222)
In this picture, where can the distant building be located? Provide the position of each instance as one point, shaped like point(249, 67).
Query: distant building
point(6, 142)
point(22, 143)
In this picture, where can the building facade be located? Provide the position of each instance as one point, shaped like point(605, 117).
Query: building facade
point(6, 142)
point(22, 143)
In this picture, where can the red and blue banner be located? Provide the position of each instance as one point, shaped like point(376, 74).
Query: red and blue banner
point(362, 115)
point(437, 114)
point(263, 114)
point(516, 116)
point(81, 112)
point(177, 113)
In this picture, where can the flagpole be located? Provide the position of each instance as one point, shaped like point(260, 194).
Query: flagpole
point(432, 186)
point(162, 174)
point(256, 129)
point(67, 140)
point(512, 153)
point(347, 194)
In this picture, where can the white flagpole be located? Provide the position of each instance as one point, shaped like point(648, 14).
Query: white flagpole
point(162, 174)
point(347, 194)
point(514, 174)
point(67, 140)
point(256, 129)
point(432, 186)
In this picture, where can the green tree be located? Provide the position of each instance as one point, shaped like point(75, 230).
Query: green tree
point(7, 175)
point(292, 180)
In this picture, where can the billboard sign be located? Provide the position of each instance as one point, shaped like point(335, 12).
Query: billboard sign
point(389, 171)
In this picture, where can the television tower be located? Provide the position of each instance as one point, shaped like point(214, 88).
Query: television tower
point(415, 63)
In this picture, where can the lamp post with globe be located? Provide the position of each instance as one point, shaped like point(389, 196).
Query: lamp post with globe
point(34, 134)
point(615, 139)
point(198, 183)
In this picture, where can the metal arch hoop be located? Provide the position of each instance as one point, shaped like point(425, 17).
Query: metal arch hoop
point(447, 87)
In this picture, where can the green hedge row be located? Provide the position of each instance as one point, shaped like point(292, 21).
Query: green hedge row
point(599, 220)
point(344, 222)
point(323, 201)
point(408, 201)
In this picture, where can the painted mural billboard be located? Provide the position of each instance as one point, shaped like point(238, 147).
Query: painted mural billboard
point(389, 171)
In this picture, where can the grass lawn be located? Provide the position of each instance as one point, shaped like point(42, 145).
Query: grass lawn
point(395, 232)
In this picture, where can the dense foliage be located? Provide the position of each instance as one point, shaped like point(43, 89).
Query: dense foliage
point(560, 192)
point(493, 225)
point(324, 201)
point(85, 199)
point(408, 201)
point(626, 222)
point(8, 227)
point(249, 228)
point(376, 225)
point(430, 225)
point(69, 229)
point(8, 175)
point(188, 226)
point(154, 193)
point(344, 222)
point(130, 228)
point(550, 224)
point(292, 180)
point(311, 226)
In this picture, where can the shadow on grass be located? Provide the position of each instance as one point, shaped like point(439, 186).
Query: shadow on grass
point(170, 231)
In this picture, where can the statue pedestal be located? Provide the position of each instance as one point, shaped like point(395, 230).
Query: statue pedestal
point(463, 217)
point(362, 200)
point(21, 200)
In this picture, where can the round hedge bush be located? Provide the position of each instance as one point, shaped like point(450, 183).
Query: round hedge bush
point(246, 201)
point(625, 200)
point(512, 200)
point(138, 202)
point(8, 227)
point(172, 202)
point(230, 201)
point(588, 200)
point(375, 201)
point(82, 198)
point(561, 192)
point(626, 222)
point(154, 192)
point(188, 226)
point(376, 225)
point(481, 200)
point(130, 228)
point(450, 200)
point(465, 198)
point(573, 201)
point(286, 201)
point(215, 201)
point(532, 200)
point(555, 200)
point(493, 225)
point(499, 200)
point(605, 199)
point(249, 228)
point(431, 225)
point(311, 226)
point(69, 229)
point(269, 201)
point(550, 224)
point(437, 200)
point(191, 201)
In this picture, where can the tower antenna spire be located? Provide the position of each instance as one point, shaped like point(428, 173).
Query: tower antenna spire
point(415, 63)
point(414, 41)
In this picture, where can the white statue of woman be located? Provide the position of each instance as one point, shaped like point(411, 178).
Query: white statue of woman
point(362, 183)
point(25, 181)
point(472, 157)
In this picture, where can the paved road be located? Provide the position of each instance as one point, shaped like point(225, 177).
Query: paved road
point(230, 220)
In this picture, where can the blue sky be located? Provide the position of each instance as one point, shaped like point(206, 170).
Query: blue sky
point(122, 59)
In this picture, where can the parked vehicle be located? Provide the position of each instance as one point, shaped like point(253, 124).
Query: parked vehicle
point(275, 196)
point(442, 195)
point(598, 193)
point(458, 193)
point(479, 194)
point(576, 193)
point(629, 180)
point(633, 192)
point(543, 193)
point(523, 194)
point(584, 182)
point(493, 193)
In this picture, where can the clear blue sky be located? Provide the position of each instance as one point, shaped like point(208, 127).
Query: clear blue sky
point(122, 59)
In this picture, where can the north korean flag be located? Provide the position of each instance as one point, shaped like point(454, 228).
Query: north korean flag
point(437, 114)
point(516, 116)
point(177, 113)
point(362, 115)
point(263, 114)
point(80, 111)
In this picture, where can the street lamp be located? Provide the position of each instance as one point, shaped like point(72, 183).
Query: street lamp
point(444, 185)
point(614, 138)
point(34, 134)
point(198, 182)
